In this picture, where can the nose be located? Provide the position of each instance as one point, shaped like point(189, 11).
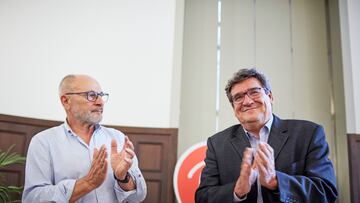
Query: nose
point(99, 101)
point(247, 100)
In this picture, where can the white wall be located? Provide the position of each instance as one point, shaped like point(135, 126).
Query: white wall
point(127, 45)
point(350, 36)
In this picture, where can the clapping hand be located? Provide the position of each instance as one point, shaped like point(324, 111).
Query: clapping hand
point(260, 166)
point(95, 177)
point(97, 173)
point(264, 162)
point(122, 161)
point(248, 174)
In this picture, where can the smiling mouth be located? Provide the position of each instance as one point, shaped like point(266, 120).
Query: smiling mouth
point(248, 109)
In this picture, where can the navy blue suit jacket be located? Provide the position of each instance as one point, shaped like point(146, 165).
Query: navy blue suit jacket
point(303, 169)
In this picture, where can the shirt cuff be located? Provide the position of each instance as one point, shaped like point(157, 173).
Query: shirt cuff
point(237, 199)
point(125, 194)
point(67, 187)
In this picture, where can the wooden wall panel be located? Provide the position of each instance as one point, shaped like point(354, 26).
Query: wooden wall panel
point(354, 162)
point(150, 156)
point(154, 188)
point(18, 131)
point(156, 149)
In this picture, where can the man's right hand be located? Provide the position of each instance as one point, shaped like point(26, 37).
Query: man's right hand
point(94, 178)
point(98, 170)
point(248, 174)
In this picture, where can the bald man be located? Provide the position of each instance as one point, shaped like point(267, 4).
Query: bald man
point(80, 160)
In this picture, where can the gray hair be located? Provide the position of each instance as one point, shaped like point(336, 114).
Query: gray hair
point(244, 74)
point(65, 85)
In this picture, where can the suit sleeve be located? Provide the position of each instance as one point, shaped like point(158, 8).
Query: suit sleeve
point(211, 189)
point(317, 183)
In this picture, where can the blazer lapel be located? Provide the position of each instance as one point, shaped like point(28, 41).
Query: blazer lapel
point(239, 141)
point(278, 135)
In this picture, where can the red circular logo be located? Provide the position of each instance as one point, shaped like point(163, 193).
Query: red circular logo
point(187, 172)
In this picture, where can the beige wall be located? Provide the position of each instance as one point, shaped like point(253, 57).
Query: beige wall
point(197, 117)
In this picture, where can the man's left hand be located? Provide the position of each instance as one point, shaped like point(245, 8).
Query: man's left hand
point(264, 161)
point(122, 161)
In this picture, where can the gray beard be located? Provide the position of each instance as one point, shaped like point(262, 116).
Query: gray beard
point(88, 118)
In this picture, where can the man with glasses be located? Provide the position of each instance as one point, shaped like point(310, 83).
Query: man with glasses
point(80, 160)
point(265, 158)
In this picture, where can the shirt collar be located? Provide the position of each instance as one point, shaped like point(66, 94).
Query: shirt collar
point(267, 125)
point(69, 131)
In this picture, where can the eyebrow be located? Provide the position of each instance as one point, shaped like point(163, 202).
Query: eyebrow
point(239, 93)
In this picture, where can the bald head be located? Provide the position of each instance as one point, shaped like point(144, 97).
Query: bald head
point(75, 83)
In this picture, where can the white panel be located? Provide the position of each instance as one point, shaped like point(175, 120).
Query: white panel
point(347, 66)
point(273, 52)
point(197, 119)
point(312, 85)
point(354, 39)
point(177, 65)
point(341, 162)
point(237, 49)
point(127, 45)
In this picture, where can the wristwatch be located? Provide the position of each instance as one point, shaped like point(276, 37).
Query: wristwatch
point(125, 180)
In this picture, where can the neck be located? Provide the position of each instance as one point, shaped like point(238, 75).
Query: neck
point(255, 126)
point(255, 133)
point(253, 129)
point(83, 130)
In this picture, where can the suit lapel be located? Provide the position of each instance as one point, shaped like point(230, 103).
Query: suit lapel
point(278, 136)
point(239, 141)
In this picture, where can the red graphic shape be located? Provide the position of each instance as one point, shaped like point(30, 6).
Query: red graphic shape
point(187, 172)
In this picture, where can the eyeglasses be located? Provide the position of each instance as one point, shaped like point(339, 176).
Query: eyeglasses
point(92, 95)
point(253, 93)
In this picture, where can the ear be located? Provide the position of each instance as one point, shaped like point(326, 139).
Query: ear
point(271, 97)
point(65, 101)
